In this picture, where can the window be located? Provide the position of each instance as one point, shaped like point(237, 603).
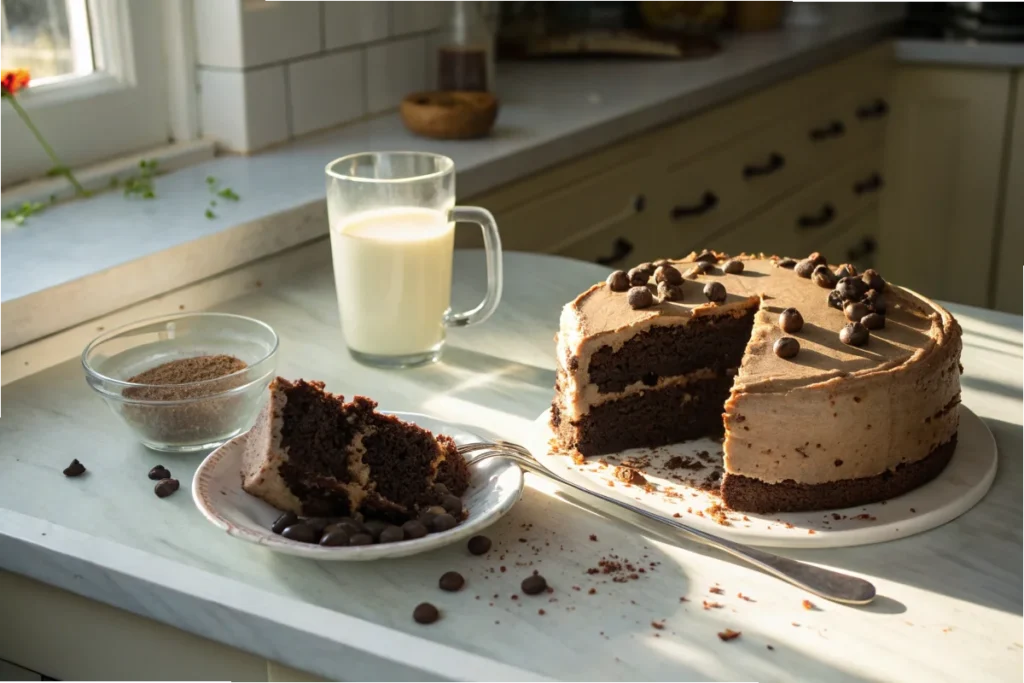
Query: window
point(100, 79)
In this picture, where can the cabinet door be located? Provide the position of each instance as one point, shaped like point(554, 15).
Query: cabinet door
point(1011, 243)
point(944, 157)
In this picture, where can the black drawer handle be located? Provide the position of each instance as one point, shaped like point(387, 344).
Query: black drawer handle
point(621, 248)
point(836, 129)
point(872, 183)
point(775, 162)
point(823, 218)
point(639, 203)
point(875, 110)
point(866, 247)
point(707, 202)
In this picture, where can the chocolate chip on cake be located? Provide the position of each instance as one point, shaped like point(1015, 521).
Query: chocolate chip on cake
point(661, 262)
point(159, 472)
point(703, 267)
point(873, 321)
point(875, 301)
point(638, 276)
point(788, 263)
point(873, 280)
point(425, 613)
point(392, 534)
point(443, 522)
point(165, 487)
point(845, 270)
point(354, 526)
point(851, 288)
point(786, 347)
point(855, 311)
point(338, 536)
point(451, 582)
point(640, 297)
point(823, 277)
point(478, 545)
point(361, 539)
point(374, 527)
point(414, 529)
point(618, 281)
point(667, 292)
point(452, 505)
point(854, 334)
point(284, 521)
point(668, 274)
point(300, 531)
point(706, 256)
point(817, 258)
point(791, 321)
point(534, 584)
point(715, 292)
point(835, 300)
point(75, 469)
point(805, 268)
point(733, 267)
point(319, 524)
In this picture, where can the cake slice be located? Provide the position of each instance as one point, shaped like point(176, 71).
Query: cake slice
point(313, 454)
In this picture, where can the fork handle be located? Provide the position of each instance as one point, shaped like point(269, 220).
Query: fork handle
point(822, 582)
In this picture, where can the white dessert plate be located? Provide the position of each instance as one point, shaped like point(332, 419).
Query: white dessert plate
point(964, 482)
point(495, 486)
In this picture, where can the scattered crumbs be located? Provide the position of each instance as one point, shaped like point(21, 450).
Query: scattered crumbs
point(811, 531)
point(789, 526)
point(502, 568)
point(836, 516)
point(593, 537)
point(866, 516)
point(808, 605)
point(575, 588)
point(541, 612)
point(947, 629)
point(729, 634)
point(522, 540)
point(496, 621)
point(741, 596)
point(913, 510)
point(592, 591)
point(770, 647)
point(515, 597)
point(713, 605)
point(658, 624)
point(795, 624)
point(716, 590)
point(676, 515)
point(745, 518)
point(683, 599)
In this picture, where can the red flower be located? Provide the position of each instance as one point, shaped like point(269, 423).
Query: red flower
point(12, 81)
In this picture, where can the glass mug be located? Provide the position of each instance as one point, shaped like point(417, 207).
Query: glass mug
point(392, 221)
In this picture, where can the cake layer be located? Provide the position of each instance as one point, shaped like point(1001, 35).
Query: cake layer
point(652, 418)
point(753, 495)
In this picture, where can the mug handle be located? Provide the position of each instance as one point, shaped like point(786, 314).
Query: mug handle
point(492, 253)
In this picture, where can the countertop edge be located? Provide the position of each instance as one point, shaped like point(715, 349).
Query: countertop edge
point(959, 53)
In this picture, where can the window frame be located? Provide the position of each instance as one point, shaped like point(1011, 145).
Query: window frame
point(140, 95)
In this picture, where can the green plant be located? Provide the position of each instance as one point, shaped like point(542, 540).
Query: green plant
point(212, 184)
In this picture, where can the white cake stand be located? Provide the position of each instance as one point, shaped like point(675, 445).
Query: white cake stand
point(964, 482)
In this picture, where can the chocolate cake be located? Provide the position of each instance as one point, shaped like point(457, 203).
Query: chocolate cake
point(313, 454)
point(857, 402)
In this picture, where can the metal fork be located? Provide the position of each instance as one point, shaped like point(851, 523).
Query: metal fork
point(822, 582)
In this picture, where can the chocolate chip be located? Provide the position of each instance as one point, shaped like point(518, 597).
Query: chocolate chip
point(667, 292)
point(873, 321)
point(374, 527)
point(640, 297)
point(440, 489)
point(638, 276)
point(786, 347)
point(425, 613)
point(851, 288)
point(300, 531)
point(392, 534)
point(534, 584)
point(817, 258)
point(823, 277)
point(353, 526)
point(478, 545)
point(855, 311)
point(854, 334)
point(875, 301)
point(872, 280)
point(335, 537)
point(451, 582)
point(835, 300)
point(159, 472)
point(75, 469)
point(661, 262)
point(647, 268)
point(805, 268)
point(414, 529)
point(733, 267)
point(436, 510)
point(703, 267)
point(361, 539)
point(618, 281)
point(845, 270)
point(452, 505)
point(715, 292)
point(284, 521)
point(791, 321)
point(443, 522)
point(319, 524)
point(706, 256)
point(165, 487)
point(668, 274)
point(787, 262)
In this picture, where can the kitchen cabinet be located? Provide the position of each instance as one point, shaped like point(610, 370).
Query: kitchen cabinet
point(944, 163)
point(1007, 280)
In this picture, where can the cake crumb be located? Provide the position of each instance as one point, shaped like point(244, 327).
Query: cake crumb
point(658, 624)
point(729, 634)
point(713, 605)
point(716, 590)
point(593, 537)
point(541, 612)
point(808, 605)
point(629, 475)
point(592, 591)
point(741, 596)
point(769, 647)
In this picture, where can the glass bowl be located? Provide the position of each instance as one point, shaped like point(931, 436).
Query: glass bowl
point(191, 416)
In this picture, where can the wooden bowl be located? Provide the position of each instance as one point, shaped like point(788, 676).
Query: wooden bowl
point(450, 115)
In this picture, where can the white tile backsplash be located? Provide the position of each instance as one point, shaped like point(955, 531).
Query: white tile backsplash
point(276, 31)
point(393, 70)
point(414, 17)
point(326, 91)
point(218, 28)
point(243, 110)
point(354, 23)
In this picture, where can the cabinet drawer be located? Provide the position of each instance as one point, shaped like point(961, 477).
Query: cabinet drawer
point(802, 222)
point(623, 245)
point(846, 125)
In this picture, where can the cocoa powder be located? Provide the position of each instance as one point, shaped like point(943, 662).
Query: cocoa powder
point(183, 371)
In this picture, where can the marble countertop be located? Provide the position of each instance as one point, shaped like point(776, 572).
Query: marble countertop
point(959, 53)
point(950, 599)
point(81, 259)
